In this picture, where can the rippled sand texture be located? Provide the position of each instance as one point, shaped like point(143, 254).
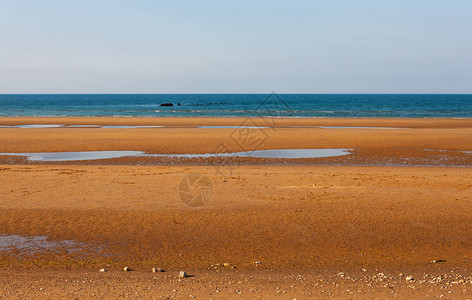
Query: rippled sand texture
point(307, 220)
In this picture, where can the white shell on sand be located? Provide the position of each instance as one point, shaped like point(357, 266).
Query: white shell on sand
point(182, 274)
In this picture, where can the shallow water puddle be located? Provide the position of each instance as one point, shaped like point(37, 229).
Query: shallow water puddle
point(299, 153)
point(233, 127)
point(84, 126)
point(33, 126)
point(94, 155)
point(74, 126)
point(276, 153)
point(130, 126)
point(71, 156)
point(35, 243)
point(351, 127)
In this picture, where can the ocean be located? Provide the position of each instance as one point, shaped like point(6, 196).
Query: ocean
point(239, 105)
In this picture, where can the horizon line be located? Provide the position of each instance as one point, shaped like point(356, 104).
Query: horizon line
point(284, 93)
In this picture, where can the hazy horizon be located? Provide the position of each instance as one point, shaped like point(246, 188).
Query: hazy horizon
point(305, 47)
point(238, 93)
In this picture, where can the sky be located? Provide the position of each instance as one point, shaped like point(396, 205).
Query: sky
point(258, 46)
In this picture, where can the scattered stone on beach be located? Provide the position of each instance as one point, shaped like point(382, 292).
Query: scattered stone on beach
point(228, 265)
point(409, 278)
point(438, 261)
point(156, 270)
point(103, 270)
point(126, 269)
point(183, 274)
point(257, 262)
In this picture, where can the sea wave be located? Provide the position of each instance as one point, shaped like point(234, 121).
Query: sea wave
point(240, 105)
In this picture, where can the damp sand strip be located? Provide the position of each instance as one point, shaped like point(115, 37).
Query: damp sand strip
point(29, 126)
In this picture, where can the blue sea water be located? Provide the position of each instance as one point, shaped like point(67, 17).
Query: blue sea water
point(231, 105)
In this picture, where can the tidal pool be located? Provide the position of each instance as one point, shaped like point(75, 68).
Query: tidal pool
point(94, 155)
point(273, 153)
point(72, 156)
point(351, 127)
point(33, 126)
point(34, 243)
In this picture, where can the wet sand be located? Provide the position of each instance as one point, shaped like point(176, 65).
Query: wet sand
point(210, 121)
point(301, 220)
point(416, 142)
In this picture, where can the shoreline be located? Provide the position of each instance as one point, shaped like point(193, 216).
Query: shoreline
point(282, 121)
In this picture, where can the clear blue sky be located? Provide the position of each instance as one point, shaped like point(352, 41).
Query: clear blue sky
point(138, 46)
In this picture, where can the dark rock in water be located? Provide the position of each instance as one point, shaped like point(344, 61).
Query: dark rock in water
point(167, 104)
point(179, 104)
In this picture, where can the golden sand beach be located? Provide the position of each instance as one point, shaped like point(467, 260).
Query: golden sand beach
point(399, 203)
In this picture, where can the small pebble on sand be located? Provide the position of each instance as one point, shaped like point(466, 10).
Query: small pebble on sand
point(183, 274)
point(156, 270)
